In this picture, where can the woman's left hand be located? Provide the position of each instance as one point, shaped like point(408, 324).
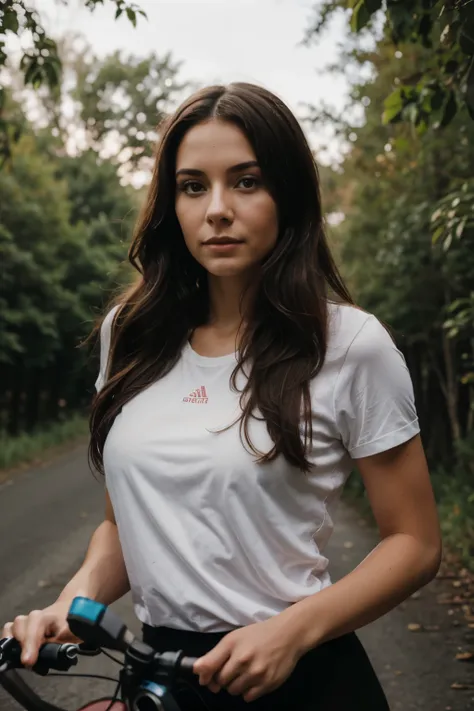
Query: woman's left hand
point(251, 661)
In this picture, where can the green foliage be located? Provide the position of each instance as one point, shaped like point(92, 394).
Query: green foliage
point(65, 224)
point(131, 10)
point(114, 105)
point(126, 98)
point(30, 448)
point(407, 249)
point(455, 494)
point(81, 222)
point(40, 63)
point(32, 275)
point(453, 218)
point(443, 80)
point(362, 12)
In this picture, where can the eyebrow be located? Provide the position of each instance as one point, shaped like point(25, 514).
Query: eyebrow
point(234, 169)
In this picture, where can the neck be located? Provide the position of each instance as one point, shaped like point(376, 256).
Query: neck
point(229, 301)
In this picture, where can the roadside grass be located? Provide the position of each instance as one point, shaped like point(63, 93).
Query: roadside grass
point(33, 448)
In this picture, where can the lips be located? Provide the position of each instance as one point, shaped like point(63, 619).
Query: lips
point(223, 240)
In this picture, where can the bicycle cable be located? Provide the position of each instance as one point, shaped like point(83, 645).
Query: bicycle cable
point(111, 656)
point(114, 697)
point(94, 676)
point(83, 676)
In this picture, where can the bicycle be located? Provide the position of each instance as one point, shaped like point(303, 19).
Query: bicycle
point(146, 677)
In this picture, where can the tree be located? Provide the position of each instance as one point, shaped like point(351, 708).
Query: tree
point(124, 99)
point(34, 222)
point(40, 63)
point(62, 246)
point(443, 80)
point(407, 249)
point(66, 216)
point(110, 105)
point(422, 182)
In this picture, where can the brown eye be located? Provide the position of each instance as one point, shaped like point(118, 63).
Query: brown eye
point(191, 187)
point(248, 183)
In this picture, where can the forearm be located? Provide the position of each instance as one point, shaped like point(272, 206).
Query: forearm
point(102, 576)
point(395, 569)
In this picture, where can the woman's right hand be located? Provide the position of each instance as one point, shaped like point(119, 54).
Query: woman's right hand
point(39, 627)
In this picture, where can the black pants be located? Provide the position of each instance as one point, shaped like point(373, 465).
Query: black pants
point(336, 676)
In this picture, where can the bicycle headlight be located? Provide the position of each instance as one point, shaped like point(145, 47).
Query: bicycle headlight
point(153, 697)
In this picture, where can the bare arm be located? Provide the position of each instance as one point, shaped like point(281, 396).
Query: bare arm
point(408, 556)
point(102, 575)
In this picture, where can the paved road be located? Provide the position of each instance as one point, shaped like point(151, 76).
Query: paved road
point(46, 519)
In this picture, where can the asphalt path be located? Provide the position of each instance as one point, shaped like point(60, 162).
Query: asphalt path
point(48, 514)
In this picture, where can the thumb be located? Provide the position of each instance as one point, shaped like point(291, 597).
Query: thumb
point(212, 662)
point(64, 634)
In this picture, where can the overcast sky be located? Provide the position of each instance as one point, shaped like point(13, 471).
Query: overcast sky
point(218, 41)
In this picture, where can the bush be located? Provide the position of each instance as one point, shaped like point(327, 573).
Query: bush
point(454, 490)
point(28, 448)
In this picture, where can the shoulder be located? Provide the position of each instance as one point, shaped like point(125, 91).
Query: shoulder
point(363, 352)
point(368, 362)
point(373, 397)
point(357, 335)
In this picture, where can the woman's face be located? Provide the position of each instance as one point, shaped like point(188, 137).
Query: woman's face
point(226, 213)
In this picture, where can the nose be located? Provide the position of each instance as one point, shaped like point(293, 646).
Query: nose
point(219, 210)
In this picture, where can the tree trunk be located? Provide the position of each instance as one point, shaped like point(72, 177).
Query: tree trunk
point(436, 423)
point(470, 416)
point(54, 389)
point(14, 415)
point(32, 399)
point(452, 388)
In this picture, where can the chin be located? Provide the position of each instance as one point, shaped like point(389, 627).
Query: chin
point(228, 268)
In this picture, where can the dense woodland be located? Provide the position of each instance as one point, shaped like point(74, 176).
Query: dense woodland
point(406, 189)
point(75, 131)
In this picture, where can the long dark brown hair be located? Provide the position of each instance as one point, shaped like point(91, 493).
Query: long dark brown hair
point(284, 342)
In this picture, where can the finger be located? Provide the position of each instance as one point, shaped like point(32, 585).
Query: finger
point(231, 670)
point(255, 692)
point(241, 685)
point(19, 626)
point(7, 630)
point(35, 636)
point(214, 687)
point(208, 665)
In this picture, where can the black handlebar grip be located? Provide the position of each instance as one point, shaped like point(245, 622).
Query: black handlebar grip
point(186, 665)
point(60, 657)
point(51, 655)
point(10, 652)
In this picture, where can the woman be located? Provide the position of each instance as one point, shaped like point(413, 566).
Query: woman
point(238, 386)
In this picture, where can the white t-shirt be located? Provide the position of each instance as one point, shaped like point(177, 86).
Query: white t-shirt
point(211, 539)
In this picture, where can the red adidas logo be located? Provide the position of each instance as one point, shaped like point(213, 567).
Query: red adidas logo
point(198, 396)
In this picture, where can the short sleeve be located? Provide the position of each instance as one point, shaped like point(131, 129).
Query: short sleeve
point(374, 400)
point(105, 333)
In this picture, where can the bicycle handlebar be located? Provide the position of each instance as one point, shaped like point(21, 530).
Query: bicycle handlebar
point(146, 676)
point(60, 657)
